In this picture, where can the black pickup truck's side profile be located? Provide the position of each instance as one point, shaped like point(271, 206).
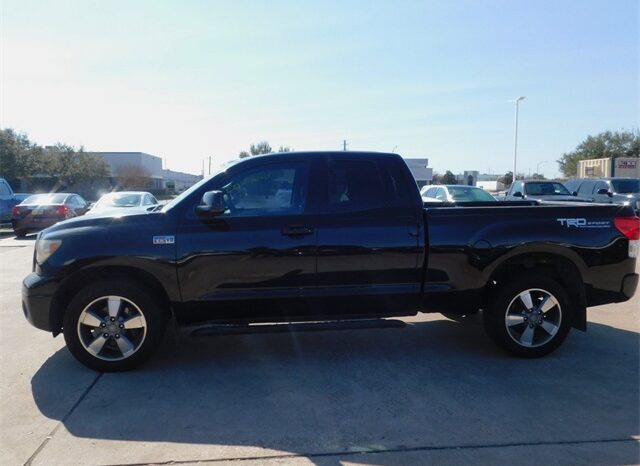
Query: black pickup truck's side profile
point(325, 236)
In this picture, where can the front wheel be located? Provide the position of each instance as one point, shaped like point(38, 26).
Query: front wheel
point(113, 326)
point(530, 316)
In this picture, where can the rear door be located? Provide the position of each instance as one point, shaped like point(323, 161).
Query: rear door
point(368, 237)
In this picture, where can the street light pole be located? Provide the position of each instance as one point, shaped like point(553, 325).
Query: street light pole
point(538, 167)
point(515, 138)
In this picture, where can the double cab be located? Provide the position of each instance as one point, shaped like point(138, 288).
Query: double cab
point(314, 236)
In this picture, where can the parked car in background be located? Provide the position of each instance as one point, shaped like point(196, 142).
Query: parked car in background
point(8, 199)
point(129, 200)
point(541, 190)
point(455, 193)
point(608, 190)
point(40, 211)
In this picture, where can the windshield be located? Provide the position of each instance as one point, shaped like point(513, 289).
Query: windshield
point(630, 186)
point(118, 200)
point(546, 189)
point(171, 204)
point(469, 194)
point(45, 199)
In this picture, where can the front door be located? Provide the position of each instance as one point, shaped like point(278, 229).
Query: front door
point(252, 261)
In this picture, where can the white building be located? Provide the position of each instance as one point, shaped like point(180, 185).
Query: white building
point(420, 170)
point(151, 167)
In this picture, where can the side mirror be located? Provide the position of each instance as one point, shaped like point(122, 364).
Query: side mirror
point(212, 204)
point(605, 191)
point(517, 194)
point(574, 193)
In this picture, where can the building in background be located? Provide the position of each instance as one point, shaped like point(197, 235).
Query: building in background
point(420, 171)
point(179, 181)
point(134, 170)
point(608, 167)
point(139, 170)
point(468, 178)
point(489, 182)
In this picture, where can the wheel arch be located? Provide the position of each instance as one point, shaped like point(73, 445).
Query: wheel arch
point(81, 278)
point(559, 267)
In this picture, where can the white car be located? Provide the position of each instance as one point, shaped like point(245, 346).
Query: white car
point(455, 193)
point(121, 200)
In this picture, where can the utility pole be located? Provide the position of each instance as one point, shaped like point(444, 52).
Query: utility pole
point(515, 138)
point(209, 165)
point(344, 145)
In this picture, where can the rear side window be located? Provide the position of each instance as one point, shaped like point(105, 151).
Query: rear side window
point(4, 189)
point(354, 185)
point(396, 183)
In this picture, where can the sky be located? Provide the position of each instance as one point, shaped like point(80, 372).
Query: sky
point(189, 80)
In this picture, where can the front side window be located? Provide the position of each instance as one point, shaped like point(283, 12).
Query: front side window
point(441, 194)
point(275, 189)
point(600, 185)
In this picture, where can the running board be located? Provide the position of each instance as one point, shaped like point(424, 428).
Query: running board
point(240, 329)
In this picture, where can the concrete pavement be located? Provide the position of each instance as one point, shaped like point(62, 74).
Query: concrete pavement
point(433, 391)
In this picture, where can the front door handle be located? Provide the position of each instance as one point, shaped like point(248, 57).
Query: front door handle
point(297, 230)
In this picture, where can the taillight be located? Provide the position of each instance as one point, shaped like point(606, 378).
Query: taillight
point(62, 210)
point(628, 226)
point(15, 211)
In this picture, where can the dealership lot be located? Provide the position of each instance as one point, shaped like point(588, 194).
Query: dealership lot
point(430, 391)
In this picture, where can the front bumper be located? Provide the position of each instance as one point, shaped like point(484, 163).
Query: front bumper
point(37, 297)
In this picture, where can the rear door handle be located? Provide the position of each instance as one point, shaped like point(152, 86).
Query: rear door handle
point(297, 230)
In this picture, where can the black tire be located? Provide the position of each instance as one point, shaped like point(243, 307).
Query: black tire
point(135, 300)
point(540, 332)
point(20, 233)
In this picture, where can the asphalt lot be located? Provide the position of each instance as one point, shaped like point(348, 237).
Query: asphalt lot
point(433, 391)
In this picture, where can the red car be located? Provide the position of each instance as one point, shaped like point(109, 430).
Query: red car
point(43, 210)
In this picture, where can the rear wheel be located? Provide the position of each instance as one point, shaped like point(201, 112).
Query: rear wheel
point(113, 326)
point(530, 316)
point(20, 233)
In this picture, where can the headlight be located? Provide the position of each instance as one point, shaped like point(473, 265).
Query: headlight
point(46, 247)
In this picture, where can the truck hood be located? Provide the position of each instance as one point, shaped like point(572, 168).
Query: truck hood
point(106, 220)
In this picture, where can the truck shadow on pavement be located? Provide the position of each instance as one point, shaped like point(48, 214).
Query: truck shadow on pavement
point(428, 387)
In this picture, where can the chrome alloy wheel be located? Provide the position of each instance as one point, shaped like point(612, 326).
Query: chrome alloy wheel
point(533, 317)
point(112, 328)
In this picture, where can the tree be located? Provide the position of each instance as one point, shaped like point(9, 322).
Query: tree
point(607, 144)
point(537, 176)
point(20, 158)
point(133, 177)
point(506, 180)
point(449, 178)
point(436, 178)
point(262, 147)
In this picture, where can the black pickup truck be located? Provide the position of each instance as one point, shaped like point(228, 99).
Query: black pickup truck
point(325, 236)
